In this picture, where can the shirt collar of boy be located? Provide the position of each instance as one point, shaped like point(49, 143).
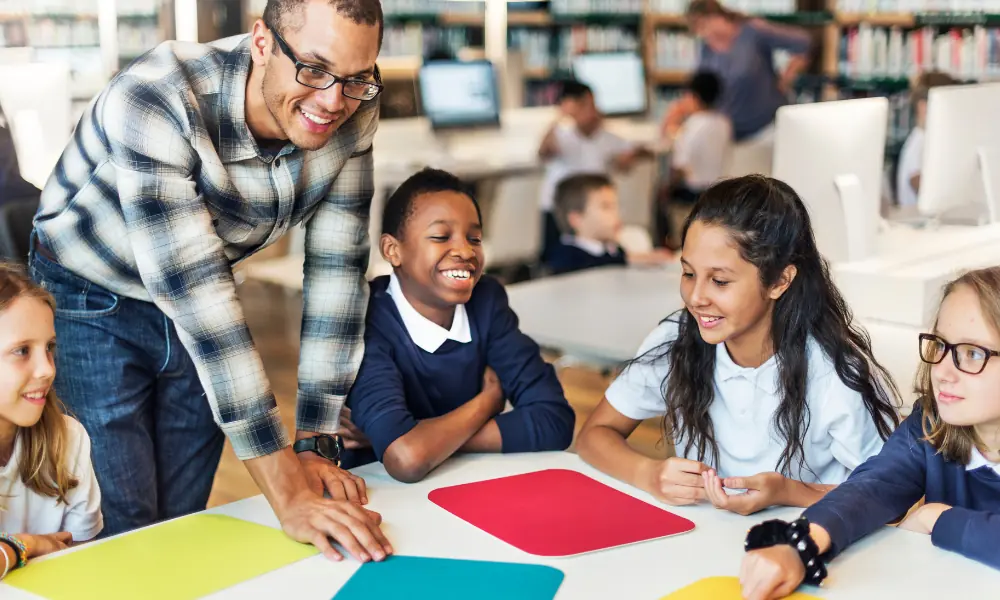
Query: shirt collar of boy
point(426, 334)
point(591, 247)
point(978, 461)
point(764, 377)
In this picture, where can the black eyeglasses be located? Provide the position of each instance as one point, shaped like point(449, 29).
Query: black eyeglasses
point(969, 358)
point(316, 78)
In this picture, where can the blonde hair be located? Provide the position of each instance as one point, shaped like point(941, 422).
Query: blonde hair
point(955, 442)
point(42, 467)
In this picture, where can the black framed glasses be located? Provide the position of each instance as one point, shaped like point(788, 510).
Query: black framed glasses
point(316, 78)
point(968, 358)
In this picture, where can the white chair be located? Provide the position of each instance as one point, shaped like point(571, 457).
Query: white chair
point(513, 221)
point(636, 194)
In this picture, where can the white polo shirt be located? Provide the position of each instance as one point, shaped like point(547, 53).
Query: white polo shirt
point(426, 334)
point(841, 432)
point(25, 511)
point(703, 148)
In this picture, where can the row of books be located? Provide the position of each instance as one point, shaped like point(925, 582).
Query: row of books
point(428, 7)
point(416, 39)
point(135, 39)
point(878, 52)
point(86, 8)
point(918, 6)
point(582, 7)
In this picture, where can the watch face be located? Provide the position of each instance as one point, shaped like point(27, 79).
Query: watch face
point(326, 446)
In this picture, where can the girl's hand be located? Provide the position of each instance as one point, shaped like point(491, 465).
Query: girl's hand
point(40, 545)
point(677, 481)
point(762, 490)
point(924, 518)
point(769, 573)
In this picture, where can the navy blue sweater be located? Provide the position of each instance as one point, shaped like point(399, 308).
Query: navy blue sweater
point(886, 485)
point(399, 383)
point(566, 258)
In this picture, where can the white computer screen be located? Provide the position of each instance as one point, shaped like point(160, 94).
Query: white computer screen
point(618, 81)
point(459, 94)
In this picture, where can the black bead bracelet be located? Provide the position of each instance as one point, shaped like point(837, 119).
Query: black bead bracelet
point(796, 535)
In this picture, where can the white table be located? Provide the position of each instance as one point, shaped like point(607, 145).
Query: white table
point(599, 314)
point(889, 564)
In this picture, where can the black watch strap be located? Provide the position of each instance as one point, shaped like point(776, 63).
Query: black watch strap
point(796, 535)
point(327, 446)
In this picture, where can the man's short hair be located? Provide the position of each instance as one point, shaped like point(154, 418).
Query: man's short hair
point(928, 80)
point(286, 15)
point(574, 90)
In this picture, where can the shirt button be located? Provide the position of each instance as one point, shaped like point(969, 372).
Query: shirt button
point(277, 162)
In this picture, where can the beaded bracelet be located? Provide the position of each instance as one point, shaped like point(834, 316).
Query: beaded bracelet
point(796, 535)
point(19, 547)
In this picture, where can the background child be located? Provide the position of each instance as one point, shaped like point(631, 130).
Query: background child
point(48, 490)
point(764, 351)
point(948, 450)
point(911, 157)
point(578, 143)
point(700, 151)
point(442, 347)
point(587, 212)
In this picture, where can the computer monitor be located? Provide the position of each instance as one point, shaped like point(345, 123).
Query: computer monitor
point(456, 94)
point(35, 98)
point(618, 81)
point(961, 166)
point(831, 153)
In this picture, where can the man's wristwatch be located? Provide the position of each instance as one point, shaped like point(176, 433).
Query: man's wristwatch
point(328, 446)
point(794, 534)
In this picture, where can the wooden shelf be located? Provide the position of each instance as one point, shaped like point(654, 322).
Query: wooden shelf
point(876, 19)
point(463, 19)
point(666, 20)
point(668, 77)
point(529, 18)
point(537, 73)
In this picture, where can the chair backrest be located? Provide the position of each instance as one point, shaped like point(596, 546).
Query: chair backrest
point(16, 218)
point(636, 194)
point(513, 222)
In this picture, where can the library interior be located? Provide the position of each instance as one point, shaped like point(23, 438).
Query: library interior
point(499, 299)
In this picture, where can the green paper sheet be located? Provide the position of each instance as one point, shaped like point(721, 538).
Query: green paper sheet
point(187, 558)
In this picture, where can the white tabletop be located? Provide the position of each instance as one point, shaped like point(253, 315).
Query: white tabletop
point(889, 564)
point(599, 314)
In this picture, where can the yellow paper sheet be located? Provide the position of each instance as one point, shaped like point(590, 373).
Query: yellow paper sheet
point(186, 558)
point(719, 588)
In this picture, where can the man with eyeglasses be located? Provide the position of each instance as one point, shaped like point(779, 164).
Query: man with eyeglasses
point(192, 159)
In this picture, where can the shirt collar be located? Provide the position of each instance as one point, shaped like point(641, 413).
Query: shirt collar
point(765, 377)
point(591, 247)
point(978, 460)
point(236, 143)
point(426, 334)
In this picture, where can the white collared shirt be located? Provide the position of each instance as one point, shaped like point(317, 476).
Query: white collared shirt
point(978, 460)
point(591, 247)
point(577, 154)
point(426, 334)
point(841, 433)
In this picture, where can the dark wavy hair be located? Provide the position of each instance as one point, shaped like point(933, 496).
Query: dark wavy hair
point(771, 228)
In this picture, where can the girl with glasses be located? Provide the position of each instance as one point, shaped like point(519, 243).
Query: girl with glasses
point(948, 451)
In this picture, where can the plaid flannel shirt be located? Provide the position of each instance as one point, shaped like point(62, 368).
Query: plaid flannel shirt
point(163, 189)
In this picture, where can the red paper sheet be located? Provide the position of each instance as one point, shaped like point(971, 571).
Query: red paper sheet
point(557, 512)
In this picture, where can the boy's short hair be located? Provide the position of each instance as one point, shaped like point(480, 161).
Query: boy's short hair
point(706, 87)
point(572, 195)
point(399, 206)
point(574, 90)
point(928, 80)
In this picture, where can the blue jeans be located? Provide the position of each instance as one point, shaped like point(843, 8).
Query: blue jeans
point(121, 371)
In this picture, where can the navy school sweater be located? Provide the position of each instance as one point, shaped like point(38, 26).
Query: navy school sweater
point(399, 383)
point(886, 485)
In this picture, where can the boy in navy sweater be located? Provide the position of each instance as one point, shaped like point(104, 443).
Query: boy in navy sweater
point(587, 213)
point(443, 351)
point(948, 450)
